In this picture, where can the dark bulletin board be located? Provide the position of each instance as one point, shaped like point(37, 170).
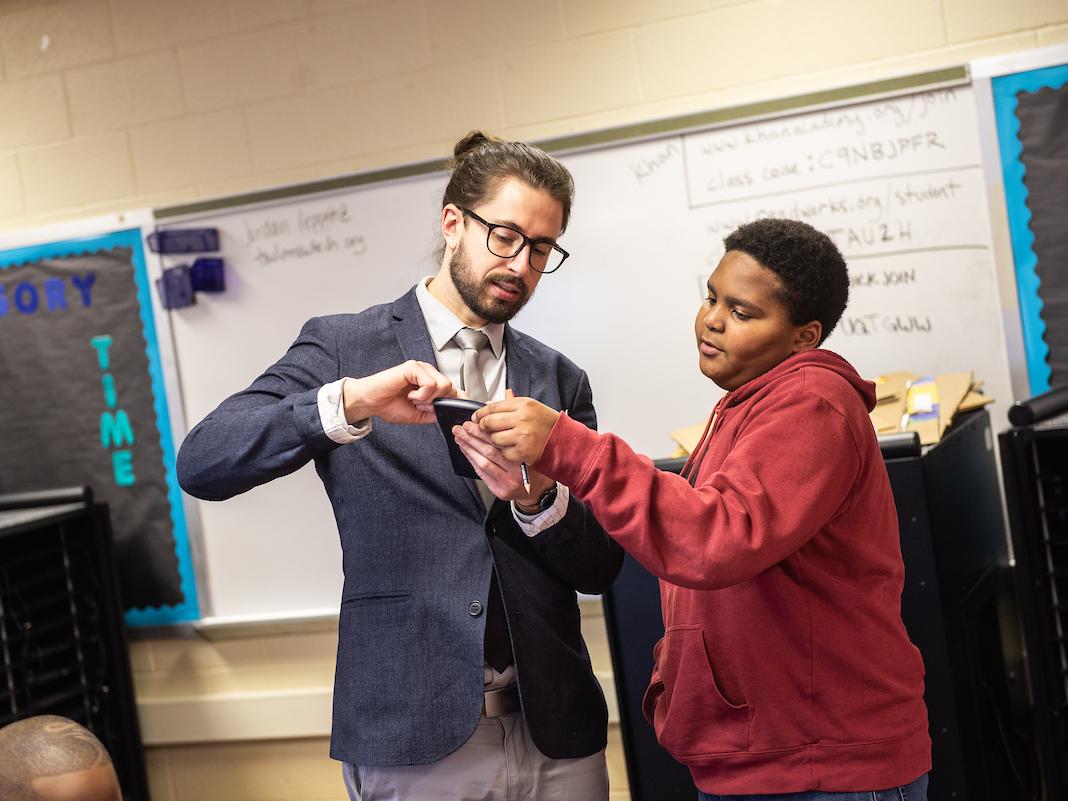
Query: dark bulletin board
point(82, 402)
point(1032, 118)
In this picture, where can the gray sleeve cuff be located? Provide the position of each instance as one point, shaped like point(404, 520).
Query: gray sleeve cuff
point(532, 525)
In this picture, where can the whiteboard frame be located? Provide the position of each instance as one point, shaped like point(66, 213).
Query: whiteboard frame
point(215, 626)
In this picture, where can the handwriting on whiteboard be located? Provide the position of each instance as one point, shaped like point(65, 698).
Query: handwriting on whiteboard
point(286, 234)
point(824, 149)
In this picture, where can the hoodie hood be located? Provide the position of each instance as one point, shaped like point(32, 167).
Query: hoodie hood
point(818, 358)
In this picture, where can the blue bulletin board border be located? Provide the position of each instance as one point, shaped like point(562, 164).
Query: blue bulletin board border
point(1005, 90)
point(131, 238)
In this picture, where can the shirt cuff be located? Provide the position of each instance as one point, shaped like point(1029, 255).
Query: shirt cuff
point(532, 525)
point(332, 415)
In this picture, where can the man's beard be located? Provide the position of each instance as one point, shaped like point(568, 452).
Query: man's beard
point(475, 294)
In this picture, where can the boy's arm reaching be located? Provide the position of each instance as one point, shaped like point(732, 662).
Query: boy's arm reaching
point(785, 477)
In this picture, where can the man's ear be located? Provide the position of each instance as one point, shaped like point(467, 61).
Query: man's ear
point(452, 223)
point(808, 336)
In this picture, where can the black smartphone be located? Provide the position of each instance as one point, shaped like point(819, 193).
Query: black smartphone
point(453, 412)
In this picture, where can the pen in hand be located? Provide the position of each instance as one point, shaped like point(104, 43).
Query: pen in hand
point(526, 478)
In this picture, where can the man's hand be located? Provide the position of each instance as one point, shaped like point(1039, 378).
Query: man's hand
point(518, 426)
point(401, 394)
point(502, 475)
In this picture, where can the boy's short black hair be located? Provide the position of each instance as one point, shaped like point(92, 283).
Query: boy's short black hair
point(813, 274)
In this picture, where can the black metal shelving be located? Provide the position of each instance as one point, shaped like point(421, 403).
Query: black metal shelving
point(63, 645)
point(1034, 461)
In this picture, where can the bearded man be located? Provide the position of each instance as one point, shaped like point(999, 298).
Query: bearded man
point(461, 669)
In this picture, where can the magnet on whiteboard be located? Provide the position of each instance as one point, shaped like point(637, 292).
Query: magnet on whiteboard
point(184, 240)
point(208, 275)
point(176, 287)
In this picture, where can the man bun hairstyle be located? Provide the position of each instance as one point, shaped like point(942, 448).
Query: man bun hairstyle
point(811, 269)
point(481, 162)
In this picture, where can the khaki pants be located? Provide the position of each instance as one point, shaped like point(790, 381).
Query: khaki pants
point(498, 763)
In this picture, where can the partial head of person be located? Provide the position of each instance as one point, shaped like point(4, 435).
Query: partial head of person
point(780, 289)
point(504, 208)
point(51, 758)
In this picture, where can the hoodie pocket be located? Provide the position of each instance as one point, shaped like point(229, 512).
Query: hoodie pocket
point(689, 713)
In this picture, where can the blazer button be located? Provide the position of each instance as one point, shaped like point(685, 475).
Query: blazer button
point(474, 608)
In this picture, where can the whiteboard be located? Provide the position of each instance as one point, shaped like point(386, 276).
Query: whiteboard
point(897, 182)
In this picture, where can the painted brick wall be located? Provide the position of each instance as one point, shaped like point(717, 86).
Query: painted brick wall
point(108, 105)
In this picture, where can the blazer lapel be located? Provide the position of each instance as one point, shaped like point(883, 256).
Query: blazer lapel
point(518, 364)
point(409, 326)
point(410, 329)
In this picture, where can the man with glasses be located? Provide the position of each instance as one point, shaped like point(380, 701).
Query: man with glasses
point(461, 671)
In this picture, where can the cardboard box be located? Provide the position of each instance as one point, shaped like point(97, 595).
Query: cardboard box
point(903, 402)
point(924, 404)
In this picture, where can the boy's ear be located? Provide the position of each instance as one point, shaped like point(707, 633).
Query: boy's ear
point(808, 336)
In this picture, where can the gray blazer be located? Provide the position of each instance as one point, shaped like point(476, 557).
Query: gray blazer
point(418, 547)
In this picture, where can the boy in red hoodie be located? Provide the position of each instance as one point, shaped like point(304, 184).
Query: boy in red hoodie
point(785, 668)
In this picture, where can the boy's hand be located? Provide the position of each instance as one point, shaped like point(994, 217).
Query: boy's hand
point(401, 394)
point(518, 426)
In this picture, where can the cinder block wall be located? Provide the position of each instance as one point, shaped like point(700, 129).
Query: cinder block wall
point(247, 719)
point(111, 105)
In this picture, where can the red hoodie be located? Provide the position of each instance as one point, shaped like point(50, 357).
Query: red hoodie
point(785, 666)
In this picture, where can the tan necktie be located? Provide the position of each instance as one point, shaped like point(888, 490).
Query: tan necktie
point(498, 645)
point(472, 382)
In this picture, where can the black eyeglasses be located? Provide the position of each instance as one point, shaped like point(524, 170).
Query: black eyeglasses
point(506, 242)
